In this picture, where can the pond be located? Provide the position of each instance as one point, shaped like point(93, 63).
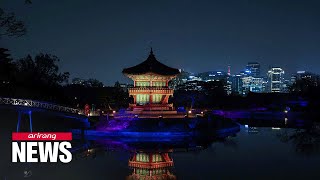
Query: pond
point(255, 152)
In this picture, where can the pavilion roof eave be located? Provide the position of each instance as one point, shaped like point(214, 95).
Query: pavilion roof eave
point(149, 73)
point(151, 65)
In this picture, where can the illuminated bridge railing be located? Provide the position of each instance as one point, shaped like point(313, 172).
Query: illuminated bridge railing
point(37, 104)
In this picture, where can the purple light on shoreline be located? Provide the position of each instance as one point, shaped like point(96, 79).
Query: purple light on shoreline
point(113, 125)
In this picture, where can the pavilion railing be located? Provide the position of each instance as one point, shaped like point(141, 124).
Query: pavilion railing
point(150, 165)
point(151, 105)
point(37, 104)
point(150, 90)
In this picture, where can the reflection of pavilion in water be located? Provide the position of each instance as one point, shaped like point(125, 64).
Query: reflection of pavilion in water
point(151, 165)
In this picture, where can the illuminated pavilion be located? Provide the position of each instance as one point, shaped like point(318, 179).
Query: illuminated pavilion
point(151, 91)
point(151, 166)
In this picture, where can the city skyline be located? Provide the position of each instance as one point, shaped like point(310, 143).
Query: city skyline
point(196, 37)
point(161, 89)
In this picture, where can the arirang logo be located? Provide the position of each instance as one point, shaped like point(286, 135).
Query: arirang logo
point(29, 147)
point(49, 136)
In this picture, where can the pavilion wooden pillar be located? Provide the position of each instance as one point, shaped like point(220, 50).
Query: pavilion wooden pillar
point(150, 99)
point(134, 99)
point(150, 157)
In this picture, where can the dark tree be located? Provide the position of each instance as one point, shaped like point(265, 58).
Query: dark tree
point(10, 25)
point(102, 97)
point(188, 99)
point(42, 70)
point(7, 66)
point(28, 1)
point(214, 88)
point(94, 83)
point(39, 78)
point(7, 73)
point(117, 84)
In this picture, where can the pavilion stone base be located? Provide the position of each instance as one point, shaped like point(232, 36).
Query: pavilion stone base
point(152, 107)
point(155, 114)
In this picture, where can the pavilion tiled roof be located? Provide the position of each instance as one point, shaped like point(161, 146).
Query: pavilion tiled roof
point(151, 65)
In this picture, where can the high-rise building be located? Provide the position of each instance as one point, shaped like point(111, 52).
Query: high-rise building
point(293, 79)
point(180, 79)
point(253, 68)
point(258, 85)
point(276, 79)
point(253, 84)
point(217, 76)
point(228, 86)
point(213, 76)
point(236, 84)
point(312, 78)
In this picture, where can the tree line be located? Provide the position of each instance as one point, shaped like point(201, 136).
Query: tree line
point(40, 78)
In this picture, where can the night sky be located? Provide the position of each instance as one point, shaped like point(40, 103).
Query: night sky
point(97, 39)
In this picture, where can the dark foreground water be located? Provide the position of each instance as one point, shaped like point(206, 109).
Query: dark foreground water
point(252, 153)
point(261, 153)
